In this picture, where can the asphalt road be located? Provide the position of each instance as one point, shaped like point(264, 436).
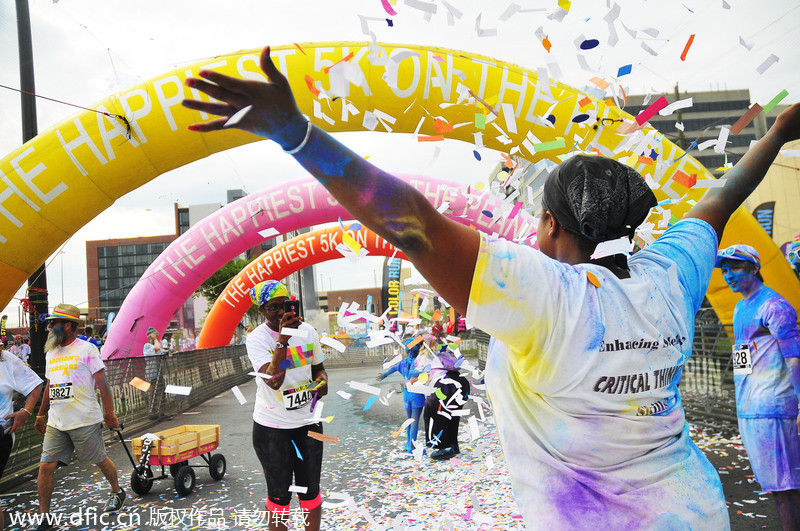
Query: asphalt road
point(373, 482)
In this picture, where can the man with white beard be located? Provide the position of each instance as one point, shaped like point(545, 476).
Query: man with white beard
point(74, 370)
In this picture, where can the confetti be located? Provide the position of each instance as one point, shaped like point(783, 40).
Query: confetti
point(371, 400)
point(686, 48)
point(388, 7)
point(140, 384)
point(238, 394)
point(746, 118)
point(768, 62)
point(322, 437)
point(651, 111)
point(177, 390)
point(776, 100)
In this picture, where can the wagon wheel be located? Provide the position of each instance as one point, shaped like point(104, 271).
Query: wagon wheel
point(142, 485)
point(217, 466)
point(184, 481)
point(173, 469)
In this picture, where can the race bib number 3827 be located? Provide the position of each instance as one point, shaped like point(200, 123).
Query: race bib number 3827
point(62, 392)
point(742, 360)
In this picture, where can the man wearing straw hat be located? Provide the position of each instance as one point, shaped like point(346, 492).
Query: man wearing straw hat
point(74, 370)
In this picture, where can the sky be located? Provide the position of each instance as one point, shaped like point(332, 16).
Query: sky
point(86, 50)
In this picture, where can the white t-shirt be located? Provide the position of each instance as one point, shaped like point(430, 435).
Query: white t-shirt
point(583, 381)
point(70, 369)
point(150, 350)
point(289, 406)
point(14, 376)
point(22, 351)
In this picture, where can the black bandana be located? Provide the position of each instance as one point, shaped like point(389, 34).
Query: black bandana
point(597, 197)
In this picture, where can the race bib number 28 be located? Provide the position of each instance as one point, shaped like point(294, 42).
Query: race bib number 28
point(61, 392)
point(742, 361)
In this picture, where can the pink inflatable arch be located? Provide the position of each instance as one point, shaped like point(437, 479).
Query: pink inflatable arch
point(220, 237)
point(278, 263)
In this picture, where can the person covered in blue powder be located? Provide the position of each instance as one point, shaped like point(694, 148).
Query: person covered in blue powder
point(587, 353)
point(409, 368)
point(766, 373)
point(794, 255)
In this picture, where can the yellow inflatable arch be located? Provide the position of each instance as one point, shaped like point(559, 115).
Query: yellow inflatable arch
point(67, 175)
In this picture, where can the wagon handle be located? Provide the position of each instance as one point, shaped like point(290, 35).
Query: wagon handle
point(127, 450)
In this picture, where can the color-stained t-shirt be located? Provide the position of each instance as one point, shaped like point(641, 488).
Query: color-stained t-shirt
point(767, 324)
point(288, 407)
point(583, 381)
point(15, 375)
point(70, 370)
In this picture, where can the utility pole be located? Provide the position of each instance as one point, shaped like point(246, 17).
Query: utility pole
point(37, 284)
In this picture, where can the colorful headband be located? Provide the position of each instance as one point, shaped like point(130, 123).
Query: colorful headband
point(63, 315)
point(266, 291)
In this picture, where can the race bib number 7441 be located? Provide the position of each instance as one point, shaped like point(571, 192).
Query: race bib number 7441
point(742, 360)
point(298, 397)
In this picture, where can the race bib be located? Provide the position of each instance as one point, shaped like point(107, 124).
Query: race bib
point(297, 397)
point(62, 392)
point(742, 361)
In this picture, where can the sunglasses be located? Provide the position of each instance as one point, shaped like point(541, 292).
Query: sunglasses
point(273, 308)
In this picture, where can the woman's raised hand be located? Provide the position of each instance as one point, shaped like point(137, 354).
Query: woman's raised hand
point(267, 109)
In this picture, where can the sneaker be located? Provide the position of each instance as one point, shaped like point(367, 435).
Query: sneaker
point(115, 501)
point(45, 526)
point(444, 453)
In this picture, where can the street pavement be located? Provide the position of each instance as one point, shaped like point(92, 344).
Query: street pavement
point(368, 482)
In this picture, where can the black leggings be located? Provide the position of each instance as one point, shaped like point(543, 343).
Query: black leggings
point(6, 442)
point(445, 429)
point(279, 460)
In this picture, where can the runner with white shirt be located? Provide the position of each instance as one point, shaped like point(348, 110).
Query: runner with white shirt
point(282, 417)
point(15, 375)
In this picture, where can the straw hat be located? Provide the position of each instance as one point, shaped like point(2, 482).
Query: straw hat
point(65, 312)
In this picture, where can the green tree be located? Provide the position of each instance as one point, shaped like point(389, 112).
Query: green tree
point(213, 287)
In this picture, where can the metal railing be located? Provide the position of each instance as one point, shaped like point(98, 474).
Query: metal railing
point(208, 372)
point(357, 353)
point(707, 383)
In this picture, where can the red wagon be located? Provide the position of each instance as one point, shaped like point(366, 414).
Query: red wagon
point(174, 448)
